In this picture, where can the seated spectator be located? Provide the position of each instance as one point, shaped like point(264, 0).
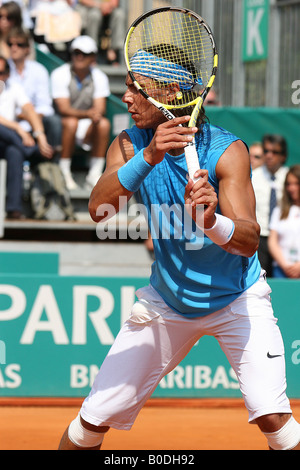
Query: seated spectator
point(284, 238)
point(35, 80)
point(268, 182)
point(10, 17)
point(256, 153)
point(24, 5)
point(17, 145)
point(94, 13)
point(55, 25)
point(79, 90)
point(212, 98)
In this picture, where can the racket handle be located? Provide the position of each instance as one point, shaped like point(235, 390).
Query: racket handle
point(192, 160)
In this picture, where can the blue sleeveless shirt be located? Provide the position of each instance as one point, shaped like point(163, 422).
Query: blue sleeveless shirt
point(194, 276)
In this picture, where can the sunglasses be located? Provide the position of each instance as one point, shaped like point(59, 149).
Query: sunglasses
point(3, 72)
point(22, 45)
point(7, 17)
point(77, 52)
point(276, 152)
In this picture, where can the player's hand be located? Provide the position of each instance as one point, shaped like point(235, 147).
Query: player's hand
point(170, 135)
point(201, 194)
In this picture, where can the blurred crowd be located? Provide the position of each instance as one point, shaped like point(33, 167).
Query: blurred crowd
point(44, 117)
point(277, 190)
point(53, 24)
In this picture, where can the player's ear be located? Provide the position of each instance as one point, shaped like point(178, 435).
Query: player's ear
point(174, 93)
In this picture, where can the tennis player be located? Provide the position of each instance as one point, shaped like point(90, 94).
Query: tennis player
point(216, 288)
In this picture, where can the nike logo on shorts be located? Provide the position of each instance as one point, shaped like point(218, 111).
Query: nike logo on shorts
point(270, 356)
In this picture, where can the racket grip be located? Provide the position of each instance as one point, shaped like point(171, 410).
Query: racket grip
point(192, 160)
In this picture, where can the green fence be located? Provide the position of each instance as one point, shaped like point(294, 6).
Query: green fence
point(56, 330)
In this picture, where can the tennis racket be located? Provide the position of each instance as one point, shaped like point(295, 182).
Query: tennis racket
point(176, 49)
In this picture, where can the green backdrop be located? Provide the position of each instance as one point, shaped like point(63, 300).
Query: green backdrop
point(250, 124)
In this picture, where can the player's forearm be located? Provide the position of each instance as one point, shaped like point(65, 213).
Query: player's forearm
point(108, 197)
point(245, 239)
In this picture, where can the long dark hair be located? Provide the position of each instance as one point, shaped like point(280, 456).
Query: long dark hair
point(287, 201)
point(14, 11)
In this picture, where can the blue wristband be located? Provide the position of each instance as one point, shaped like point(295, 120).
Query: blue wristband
point(132, 174)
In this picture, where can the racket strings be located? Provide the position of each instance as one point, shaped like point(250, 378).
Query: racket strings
point(172, 48)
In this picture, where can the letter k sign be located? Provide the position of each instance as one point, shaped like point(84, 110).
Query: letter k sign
point(255, 29)
point(254, 39)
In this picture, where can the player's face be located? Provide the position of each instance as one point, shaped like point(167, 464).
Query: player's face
point(145, 115)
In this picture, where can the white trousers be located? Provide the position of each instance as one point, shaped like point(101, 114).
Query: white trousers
point(155, 339)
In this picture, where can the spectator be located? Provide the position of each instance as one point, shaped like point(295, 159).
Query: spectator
point(79, 91)
point(212, 98)
point(10, 16)
point(256, 153)
point(284, 238)
point(17, 145)
point(268, 181)
point(34, 78)
point(24, 5)
point(93, 15)
point(55, 25)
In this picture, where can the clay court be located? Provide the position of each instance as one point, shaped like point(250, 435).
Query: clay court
point(161, 425)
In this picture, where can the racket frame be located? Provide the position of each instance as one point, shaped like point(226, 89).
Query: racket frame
point(190, 151)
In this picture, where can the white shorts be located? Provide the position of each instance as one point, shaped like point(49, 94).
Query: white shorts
point(155, 339)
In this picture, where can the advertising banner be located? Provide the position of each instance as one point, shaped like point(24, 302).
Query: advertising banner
point(56, 330)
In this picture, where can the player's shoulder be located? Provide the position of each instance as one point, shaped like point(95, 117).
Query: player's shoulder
point(220, 136)
point(140, 137)
point(216, 140)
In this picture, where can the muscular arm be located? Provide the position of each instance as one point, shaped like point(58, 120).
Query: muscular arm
point(168, 136)
point(109, 189)
point(236, 199)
